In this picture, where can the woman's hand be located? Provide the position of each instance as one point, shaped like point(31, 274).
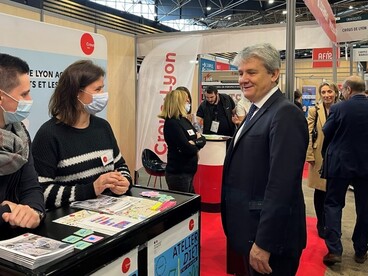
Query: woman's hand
point(121, 187)
point(111, 180)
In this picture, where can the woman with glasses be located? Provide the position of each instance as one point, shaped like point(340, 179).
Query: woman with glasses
point(76, 154)
point(317, 115)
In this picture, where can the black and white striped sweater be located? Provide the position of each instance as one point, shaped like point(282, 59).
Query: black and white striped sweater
point(69, 160)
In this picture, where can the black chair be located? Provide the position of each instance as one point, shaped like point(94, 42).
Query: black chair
point(153, 165)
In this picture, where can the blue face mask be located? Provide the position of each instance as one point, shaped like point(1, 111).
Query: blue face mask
point(21, 113)
point(99, 101)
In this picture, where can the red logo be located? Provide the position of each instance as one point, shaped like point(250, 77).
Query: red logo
point(191, 224)
point(87, 44)
point(125, 266)
point(322, 57)
point(104, 159)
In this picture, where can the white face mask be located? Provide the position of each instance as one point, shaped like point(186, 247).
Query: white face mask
point(99, 101)
point(187, 107)
point(21, 113)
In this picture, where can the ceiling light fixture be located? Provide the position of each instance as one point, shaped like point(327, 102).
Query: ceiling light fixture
point(208, 8)
point(271, 1)
point(284, 12)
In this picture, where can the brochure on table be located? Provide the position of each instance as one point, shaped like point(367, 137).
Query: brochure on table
point(110, 215)
point(32, 250)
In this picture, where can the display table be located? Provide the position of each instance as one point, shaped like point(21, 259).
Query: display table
point(208, 179)
point(151, 239)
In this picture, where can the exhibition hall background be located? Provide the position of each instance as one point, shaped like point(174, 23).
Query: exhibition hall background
point(124, 48)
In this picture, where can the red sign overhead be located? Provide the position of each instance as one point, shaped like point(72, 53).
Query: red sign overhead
point(222, 66)
point(322, 12)
point(322, 57)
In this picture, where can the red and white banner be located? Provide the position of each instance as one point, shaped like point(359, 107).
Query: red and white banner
point(167, 66)
point(322, 57)
point(322, 12)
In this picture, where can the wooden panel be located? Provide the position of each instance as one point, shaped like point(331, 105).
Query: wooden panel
point(17, 11)
point(121, 86)
point(73, 24)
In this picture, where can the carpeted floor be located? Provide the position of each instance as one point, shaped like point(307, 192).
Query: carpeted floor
point(213, 249)
point(213, 243)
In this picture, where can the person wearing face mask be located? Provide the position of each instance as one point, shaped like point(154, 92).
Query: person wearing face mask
point(76, 153)
point(317, 117)
point(188, 107)
point(182, 140)
point(21, 198)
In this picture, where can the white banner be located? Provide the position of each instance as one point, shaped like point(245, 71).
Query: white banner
point(48, 49)
point(360, 54)
point(352, 31)
point(167, 66)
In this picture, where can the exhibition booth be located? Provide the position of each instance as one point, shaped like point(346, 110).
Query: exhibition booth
point(169, 60)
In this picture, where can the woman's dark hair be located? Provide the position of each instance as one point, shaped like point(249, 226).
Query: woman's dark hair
point(64, 102)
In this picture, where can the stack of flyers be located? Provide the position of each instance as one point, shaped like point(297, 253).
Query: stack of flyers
point(32, 250)
point(103, 203)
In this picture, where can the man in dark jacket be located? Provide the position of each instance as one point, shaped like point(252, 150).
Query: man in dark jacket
point(262, 206)
point(21, 198)
point(345, 162)
point(215, 113)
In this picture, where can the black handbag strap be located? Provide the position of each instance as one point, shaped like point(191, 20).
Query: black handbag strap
point(315, 118)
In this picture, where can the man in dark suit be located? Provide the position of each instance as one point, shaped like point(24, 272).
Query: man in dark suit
point(346, 162)
point(263, 208)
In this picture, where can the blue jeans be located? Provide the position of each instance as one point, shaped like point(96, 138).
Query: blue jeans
point(180, 182)
point(334, 203)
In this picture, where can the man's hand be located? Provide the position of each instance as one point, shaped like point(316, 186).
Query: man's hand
point(21, 215)
point(258, 259)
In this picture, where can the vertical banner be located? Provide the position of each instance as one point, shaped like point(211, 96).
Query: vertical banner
point(48, 50)
point(324, 15)
point(206, 63)
point(176, 251)
point(308, 97)
point(167, 66)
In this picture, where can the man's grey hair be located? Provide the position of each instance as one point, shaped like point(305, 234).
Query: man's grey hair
point(265, 52)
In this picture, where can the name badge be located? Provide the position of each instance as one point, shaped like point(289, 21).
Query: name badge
point(215, 126)
point(107, 158)
point(190, 132)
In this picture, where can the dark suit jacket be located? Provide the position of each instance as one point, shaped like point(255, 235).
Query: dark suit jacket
point(346, 139)
point(262, 198)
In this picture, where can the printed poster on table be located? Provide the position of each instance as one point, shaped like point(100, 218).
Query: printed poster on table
point(176, 251)
point(126, 265)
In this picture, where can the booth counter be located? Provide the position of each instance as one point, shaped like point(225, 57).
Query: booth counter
point(153, 242)
point(208, 179)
